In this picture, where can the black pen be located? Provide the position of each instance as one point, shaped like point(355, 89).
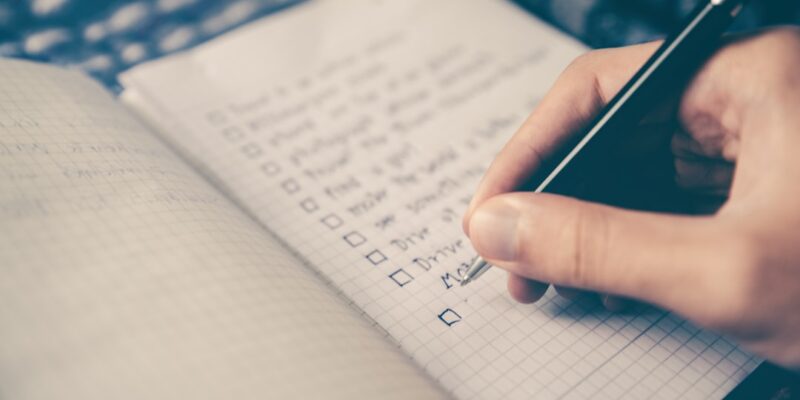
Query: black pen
point(672, 65)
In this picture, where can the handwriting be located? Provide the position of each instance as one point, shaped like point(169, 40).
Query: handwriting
point(352, 138)
point(411, 239)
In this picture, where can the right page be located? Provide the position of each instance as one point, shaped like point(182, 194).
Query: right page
point(357, 131)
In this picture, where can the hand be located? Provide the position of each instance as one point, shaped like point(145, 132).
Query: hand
point(735, 136)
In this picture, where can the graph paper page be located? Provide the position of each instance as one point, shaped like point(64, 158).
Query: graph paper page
point(358, 132)
point(124, 275)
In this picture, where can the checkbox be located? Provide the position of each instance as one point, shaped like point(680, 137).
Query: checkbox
point(309, 205)
point(290, 186)
point(270, 168)
point(233, 134)
point(401, 277)
point(332, 221)
point(216, 118)
point(449, 317)
point(252, 150)
point(376, 257)
point(354, 239)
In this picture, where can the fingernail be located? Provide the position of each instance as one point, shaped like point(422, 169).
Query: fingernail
point(493, 230)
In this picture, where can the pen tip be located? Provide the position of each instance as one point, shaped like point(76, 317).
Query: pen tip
point(465, 281)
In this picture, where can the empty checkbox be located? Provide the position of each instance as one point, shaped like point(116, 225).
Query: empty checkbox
point(233, 134)
point(290, 186)
point(449, 317)
point(354, 239)
point(376, 257)
point(252, 150)
point(332, 221)
point(270, 168)
point(309, 205)
point(401, 277)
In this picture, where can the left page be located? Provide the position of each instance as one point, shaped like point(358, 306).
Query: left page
point(123, 274)
point(357, 130)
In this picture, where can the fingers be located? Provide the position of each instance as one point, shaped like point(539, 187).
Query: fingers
point(702, 173)
point(528, 291)
point(569, 293)
point(704, 176)
point(614, 304)
point(582, 90)
point(588, 246)
point(525, 290)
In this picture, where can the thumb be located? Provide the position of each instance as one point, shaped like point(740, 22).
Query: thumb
point(652, 257)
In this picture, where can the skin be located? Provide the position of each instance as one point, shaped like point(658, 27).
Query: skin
point(728, 258)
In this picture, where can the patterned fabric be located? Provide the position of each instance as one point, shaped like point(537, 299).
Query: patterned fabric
point(104, 37)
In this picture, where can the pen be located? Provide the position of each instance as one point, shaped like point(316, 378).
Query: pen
point(673, 64)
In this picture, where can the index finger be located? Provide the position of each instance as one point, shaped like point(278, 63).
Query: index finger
point(576, 97)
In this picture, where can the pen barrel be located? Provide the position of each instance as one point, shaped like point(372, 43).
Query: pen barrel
point(664, 75)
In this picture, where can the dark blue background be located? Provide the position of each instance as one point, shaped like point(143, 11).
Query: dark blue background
point(104, 37)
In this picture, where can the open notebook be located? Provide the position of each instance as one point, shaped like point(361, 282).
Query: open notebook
point(276, 214)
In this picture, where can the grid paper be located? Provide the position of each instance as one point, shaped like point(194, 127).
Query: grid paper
point(360, 149)
point(123, 274)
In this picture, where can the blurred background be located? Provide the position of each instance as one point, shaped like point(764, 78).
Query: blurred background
point(104, 37)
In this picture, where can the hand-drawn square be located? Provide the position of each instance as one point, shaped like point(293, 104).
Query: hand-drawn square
point(332, 221)
point(376, 257)
point(233, 134)
point(401, 277)
point(290, 186)
point(252, 150)
point(354, 239)
point(449, 317)
point(309, 205)
point(270, 168)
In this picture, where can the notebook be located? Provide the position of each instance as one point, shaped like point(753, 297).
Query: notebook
point(276, 214)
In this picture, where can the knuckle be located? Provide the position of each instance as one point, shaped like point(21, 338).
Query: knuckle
point(590, 239)
point(592, 73)
point(584, 65)
point(571, 252)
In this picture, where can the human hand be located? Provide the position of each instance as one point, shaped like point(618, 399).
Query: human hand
point(735, 136)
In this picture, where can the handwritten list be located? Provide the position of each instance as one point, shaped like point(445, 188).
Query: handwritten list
point(343, 143)
point(362, 158)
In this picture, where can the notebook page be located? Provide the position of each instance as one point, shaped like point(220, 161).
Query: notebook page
point(357, 133)
point(124, 275)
